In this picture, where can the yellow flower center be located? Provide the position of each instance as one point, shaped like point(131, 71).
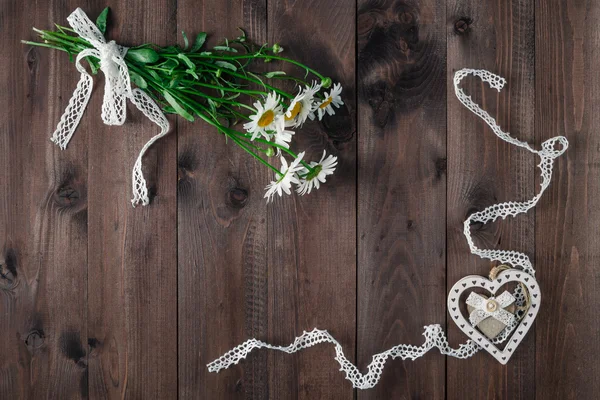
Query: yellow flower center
point(326, 102)
point(266, 119)
point(295, 111)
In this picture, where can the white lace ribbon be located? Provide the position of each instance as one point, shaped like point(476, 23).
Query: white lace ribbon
point(434, 334)
point(117, 88)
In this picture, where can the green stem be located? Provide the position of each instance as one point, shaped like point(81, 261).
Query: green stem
point(201, 113)
point(48, 45)
point(235, 113)
point(259, 158)
point(283, 148)
point(263, 56)
point(218, 99)
point(69, 38)
point(249, 79)
point(208, 85)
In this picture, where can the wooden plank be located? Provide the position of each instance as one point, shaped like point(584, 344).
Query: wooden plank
point(497, 36)
point(132, 312)
point(311, 239)
point(43, 218)
point(221, 232)
point(567, 229)
point(402, 189)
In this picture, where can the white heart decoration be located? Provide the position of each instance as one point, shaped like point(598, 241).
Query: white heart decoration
point(492, 286)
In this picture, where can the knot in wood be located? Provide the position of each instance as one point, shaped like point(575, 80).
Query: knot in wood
point(365, 23)
point(441, 164)
point(8, 270)
point(66, 196)
point(237, 197)
point(7, 278)
point(403, 45)
point(339, 127)
point(35, 339)
point(406, 18)
point(462, 26)
point(32, 59)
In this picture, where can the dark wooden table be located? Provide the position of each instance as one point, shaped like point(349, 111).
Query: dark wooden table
point(101, 300)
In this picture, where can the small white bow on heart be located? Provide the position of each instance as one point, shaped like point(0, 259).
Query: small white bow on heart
point(117, 88)
point(492, 307)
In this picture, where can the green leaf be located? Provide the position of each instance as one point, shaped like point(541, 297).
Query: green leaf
point(226, 65)
point(258, 78)
point(186, 60)
point(206, 53)
point(213, 106)
point(186, 42)
point(169, 64)
point(144, 56)
point(199, 42)
point(174, 82)
point(154, 75)
point(178, 108)
point(138, 80)
point(101, 20)
point(233, 97)
point(170, 49)
point(274, 73)
point(193, 73)
point(225, 48)
point(242, 37)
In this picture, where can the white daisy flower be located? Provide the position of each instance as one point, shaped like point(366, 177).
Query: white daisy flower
point(314, 179)
point(283, 180)
point(265, 121)
point(283, 137)
point(302, 106)
point(331, 99)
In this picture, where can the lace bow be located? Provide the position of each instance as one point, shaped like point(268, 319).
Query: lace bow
point(117, 88)
point(492, 307)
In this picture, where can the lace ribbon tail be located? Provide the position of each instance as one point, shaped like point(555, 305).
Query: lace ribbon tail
point(151, 110)
point(74, 111)
point(512, 208)
point(434, 337)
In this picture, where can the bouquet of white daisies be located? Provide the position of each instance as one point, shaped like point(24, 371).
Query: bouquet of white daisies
point(219, 86)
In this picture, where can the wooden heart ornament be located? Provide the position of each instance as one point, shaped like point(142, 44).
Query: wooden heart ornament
point(472, 282)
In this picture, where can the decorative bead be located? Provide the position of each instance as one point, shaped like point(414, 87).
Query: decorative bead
point(491, 305)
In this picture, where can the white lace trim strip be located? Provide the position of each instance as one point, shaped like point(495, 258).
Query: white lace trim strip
point(434, 335)
point(117, 89)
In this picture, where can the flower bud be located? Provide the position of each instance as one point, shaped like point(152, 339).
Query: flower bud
point(277, 48)
point(326, 82)
point(270, 152)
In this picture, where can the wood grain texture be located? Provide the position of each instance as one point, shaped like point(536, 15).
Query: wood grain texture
point(132, 280)
point(402, 189)
point(483, 170)
point(222, 232)
point(311, 239)
point(43, 226)
point(567, 224)
point(100, 300)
